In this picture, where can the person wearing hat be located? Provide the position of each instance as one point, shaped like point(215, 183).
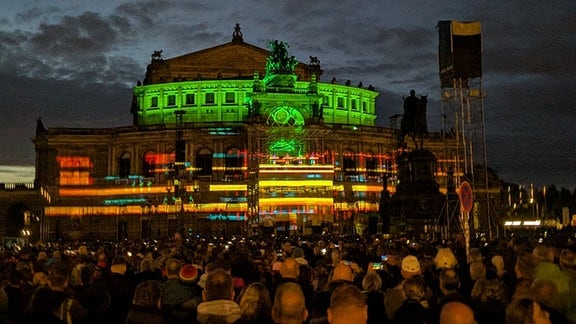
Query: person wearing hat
point(120, 284)
point(394, 298)
point(176, 292)
point(178, 289)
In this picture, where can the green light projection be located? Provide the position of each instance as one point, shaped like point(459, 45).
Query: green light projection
point(286, 138)
point(286, 116)
point(220, 111)
point(282, 146)
point(279, 62)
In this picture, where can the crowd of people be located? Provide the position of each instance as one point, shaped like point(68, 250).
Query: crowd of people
point(298, 279)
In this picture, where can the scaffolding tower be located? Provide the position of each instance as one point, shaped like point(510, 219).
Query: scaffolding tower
point(460, 63)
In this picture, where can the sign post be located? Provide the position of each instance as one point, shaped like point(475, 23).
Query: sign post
point(466, 197)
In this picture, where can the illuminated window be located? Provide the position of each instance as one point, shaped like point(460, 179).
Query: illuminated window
point(234, 159)
point(209, 98)
point(149, 164)
point(154, 102)
point(204, 162)
point(371, 165)
point(190, 99)
point(349, 163)
point(230, 97)
point(171, 100)
point(156, 162)
point(75, 170)
point(340, 102)
point(353, 104)
point(124, 165)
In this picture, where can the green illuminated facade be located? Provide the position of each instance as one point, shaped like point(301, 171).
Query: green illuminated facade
point(230, 138)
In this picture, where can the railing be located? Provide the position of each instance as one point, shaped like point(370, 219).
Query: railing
point(16, 186)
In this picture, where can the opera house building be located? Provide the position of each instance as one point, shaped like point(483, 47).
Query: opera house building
point(233, 138)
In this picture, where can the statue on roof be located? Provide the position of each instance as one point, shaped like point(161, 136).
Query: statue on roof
point(279, 62)
point(237, 35)
point(314, 61)
point(40, 129)
point(157, 56)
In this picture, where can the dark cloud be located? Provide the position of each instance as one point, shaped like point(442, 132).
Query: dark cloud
point(74, 36)
point(36, 13)
point(60, 104)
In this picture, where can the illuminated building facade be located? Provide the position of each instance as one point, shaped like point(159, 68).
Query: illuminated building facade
point(233, 137)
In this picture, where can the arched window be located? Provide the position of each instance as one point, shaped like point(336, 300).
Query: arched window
point(349, 165)
point(204, 162)
point(124, 165)
point(149, 164)
point(371, 165)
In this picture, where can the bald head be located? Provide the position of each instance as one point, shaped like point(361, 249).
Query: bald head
point(343, 272)
point(347, 305)
point(457, 313)
point(289, 304)
point(290, 268)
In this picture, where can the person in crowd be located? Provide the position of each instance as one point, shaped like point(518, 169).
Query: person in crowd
point(176, 292)
point(146, 305)
point(372, 288)
point(490, 298)
point(19, 289)
point(547, 270)
point(449, 284)
point(289, 271)
point(456, 312)
point(4, 303)
point(207, 269)
point(498, 261)
point(53, 304)
point(525, 270)
point(474, 256)
point(414, 309)
point(343, 273)
point(92, 294)
point(218, 304)
point(445, 259)
point(567, 260)
point(255, 304)
point(545, 293)
point(289, 304)
point(526, 311)
point(394, 298)
point(347, 305)
point(120, 285)
point(305, 282)
point(477, 271)
point(147, 269)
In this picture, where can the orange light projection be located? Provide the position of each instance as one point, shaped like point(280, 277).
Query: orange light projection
point(75, 170)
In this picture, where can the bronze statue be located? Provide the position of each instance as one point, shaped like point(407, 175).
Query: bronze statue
point(279, 62)
point(414, 119)
point(157, 55)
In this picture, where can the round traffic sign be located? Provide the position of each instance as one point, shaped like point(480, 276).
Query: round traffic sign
point(466, 196)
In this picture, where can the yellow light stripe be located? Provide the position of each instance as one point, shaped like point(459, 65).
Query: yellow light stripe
point(111, 191)
point(294, 166)
point(367, 188)
point(78, 211)
point(228, 187)
point(295, 183)
point(296, 200)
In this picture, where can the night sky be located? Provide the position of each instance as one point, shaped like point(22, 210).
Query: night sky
point(73, 63)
